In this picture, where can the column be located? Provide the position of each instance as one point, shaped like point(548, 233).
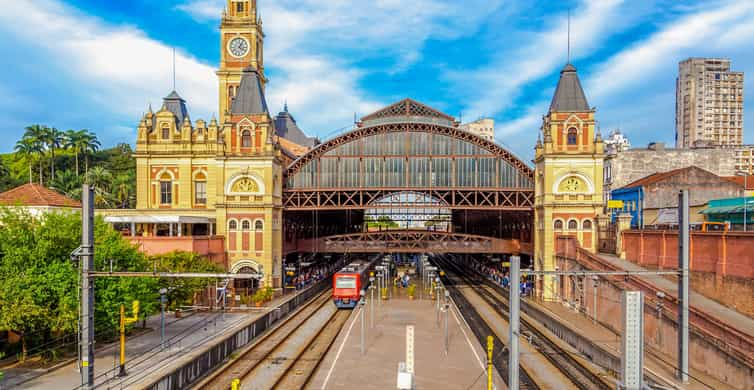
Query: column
point(133, 229)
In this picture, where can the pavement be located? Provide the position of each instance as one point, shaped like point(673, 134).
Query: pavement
point(344, 367)
point(725, 314)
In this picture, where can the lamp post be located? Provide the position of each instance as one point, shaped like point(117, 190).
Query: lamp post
point(361, 304)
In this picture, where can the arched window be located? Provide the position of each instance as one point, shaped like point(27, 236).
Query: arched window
point(245, 225)
point(246, 139)
point(165, 131)
point(558, 224)
point(166, 189)
point(587, 224)
point(232, 225)
point(573, 225)
point(572, 136)
point(258, 226)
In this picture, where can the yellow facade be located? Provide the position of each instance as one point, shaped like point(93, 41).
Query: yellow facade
point(228, 173)
point(568, 171)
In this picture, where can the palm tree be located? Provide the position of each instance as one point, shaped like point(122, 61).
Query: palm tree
point(123, 191)
point(36, 136)
point(100, 179)
point(53, 138)
point(27, 149)
point(67, 183)
point(89, 145)
point(72, 140)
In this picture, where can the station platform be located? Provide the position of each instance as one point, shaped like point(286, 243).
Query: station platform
point(464, 367)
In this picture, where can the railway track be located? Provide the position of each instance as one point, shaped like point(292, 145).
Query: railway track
point(571, 366)
point(481, 330)
point(289, 354)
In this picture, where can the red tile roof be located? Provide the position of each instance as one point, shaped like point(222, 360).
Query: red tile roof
point(740, 181)
point(660, 176)
point(35, 195)
point(292, 147)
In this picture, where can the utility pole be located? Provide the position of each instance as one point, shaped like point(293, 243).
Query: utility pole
point(86, 263)
point(596, 283)
point(371, 300)
point(683, 287)
point(361, 308)
point(163, 301)
point(514, 299)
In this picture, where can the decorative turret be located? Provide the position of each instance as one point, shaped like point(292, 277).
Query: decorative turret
point(569, 96)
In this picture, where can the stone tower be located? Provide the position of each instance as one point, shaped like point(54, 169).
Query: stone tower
point(568, 170)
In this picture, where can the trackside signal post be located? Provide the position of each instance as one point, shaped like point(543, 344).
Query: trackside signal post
point(123, 322)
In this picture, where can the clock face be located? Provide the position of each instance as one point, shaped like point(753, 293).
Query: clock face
point(571, 184)
point(238, 47)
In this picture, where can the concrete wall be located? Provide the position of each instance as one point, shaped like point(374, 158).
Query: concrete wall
point(722, 264)
point(702, 187)
point(633, 164)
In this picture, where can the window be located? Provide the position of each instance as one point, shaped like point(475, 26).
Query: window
point(258, 226)
point(245, 225)
point(572, 136)
point(165, 131)
point(166, 192)
point(246, 139)
point(232, 225)
point(558, 224)
point(345, 282)
point(200, 192)
point(573, 225)
point(587, 224)
point(239, 7)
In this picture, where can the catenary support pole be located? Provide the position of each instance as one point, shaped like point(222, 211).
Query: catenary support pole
point(514, 297)
point(683, 287)
point(86, 264)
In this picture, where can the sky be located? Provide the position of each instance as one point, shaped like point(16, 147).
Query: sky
point(96, 64)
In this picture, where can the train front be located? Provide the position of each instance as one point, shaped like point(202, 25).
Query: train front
point(346, 287)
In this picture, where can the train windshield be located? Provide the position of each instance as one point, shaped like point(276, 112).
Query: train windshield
point(345, 282)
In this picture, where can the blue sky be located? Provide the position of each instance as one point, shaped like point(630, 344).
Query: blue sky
point(98, 64)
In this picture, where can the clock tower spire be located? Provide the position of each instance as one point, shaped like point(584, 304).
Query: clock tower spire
point(241, 46)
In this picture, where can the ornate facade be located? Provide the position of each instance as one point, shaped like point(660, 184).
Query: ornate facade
point(569, 167)
point(219, 182)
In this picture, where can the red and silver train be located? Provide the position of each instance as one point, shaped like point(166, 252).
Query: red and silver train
point(348, 283)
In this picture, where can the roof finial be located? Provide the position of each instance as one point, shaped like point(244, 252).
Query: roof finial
point(285, 105)
point(569, 36)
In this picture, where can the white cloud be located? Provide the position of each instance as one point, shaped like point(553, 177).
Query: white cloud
point(202, 10)
point(313, 46)
point(493, 88)
point(660, 52)
point(117, 66)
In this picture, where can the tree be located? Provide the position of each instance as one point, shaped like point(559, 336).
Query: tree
point(35, 134)
point(54, 139)
point(123, 191)
point(26, 148)
point(101, 180)
point(180, 291)
point(77, 141)
point(89, 145)
point(67, 183)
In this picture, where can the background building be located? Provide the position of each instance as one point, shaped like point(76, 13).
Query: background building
point(484, 127)
point(653, 200)
point(616, 142)
point(37, 200)
point(623, 167)
point(744, 156)
point(709, 103)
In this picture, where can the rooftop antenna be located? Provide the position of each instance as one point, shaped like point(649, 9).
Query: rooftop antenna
point(173, 68)
point(569, 36)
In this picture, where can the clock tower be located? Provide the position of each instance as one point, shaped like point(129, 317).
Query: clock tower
point(569, 159)
point(241, 46)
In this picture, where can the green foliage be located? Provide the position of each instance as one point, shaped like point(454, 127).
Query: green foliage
point(262, 295)
point(383, 221)
point(39, 282)
point(180, 291)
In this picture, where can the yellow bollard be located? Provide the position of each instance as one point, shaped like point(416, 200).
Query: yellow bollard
point(490, 345)
point(235, 385)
